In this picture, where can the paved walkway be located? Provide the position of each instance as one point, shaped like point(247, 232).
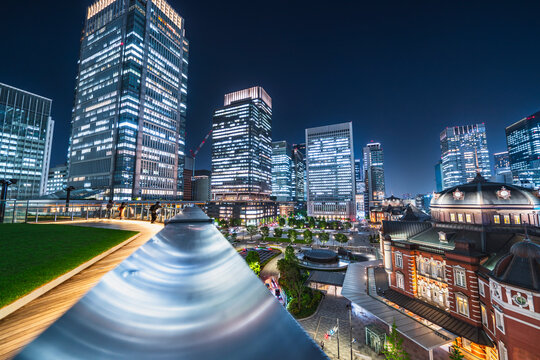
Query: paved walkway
point(22, 326)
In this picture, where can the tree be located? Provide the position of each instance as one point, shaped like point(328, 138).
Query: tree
point(347, 225)
point(252, 230)
point(291, 222)
point(224, 224)
point(281, 222)
point(324, 237)
point(393, 349)
point(341, 238)
point(278, 232)
point(264, 231)
point(455, 353)
point(335, 225)
point(311, 222)
point(254, 261)
point(322, 224)
point(289, 254)
point(236, 222)
point(293, 235)
point(308, 237)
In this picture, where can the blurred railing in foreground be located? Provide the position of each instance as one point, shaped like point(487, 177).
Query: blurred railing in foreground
point(35, 211)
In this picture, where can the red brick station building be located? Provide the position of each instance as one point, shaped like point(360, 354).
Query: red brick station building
point(473, 268)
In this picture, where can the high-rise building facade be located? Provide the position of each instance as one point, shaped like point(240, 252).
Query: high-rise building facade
point(242, 146)
point(299, 170)
point(374, 175)
point(282, 171)
point(201, 185)
point(330, 172)
point(523, 141)
point(503, 173)
point(128, 124)
point(26, 131)
point(464, 152)
point(438, 176)
point(57, 179)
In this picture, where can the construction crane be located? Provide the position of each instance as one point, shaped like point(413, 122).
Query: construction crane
point(194, 153)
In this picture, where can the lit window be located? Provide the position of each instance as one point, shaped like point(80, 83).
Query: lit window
point(496, 219)
point(460, 217)
point(517, 219)
point(460, 278)
point(499, 320)
point(399, 260)
point(462, 304)
point(481, 288)
point(400, 280)
point(507, 219)
point(484, 315)
point(452, 217)
point(468, 218)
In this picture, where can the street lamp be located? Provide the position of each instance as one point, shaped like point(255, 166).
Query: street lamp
point(68, 191)
point(3, 196)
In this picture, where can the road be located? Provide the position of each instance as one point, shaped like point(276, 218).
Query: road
point(22, 326)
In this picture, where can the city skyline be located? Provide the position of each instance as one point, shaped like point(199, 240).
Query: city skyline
point(479, 90)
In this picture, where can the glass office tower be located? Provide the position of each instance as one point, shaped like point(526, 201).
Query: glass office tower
point(26, 131)
point(330, 172)
point(242, 146)
point(128, 125)
point(523, 140)
point(57, 179)
point(374, 175)
point(464, 151)
point(299, 176)
point(503, 173)
point(282, 171)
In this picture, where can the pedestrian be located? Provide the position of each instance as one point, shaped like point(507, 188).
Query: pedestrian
point(322, 345)
point(153, 211)
point(121, 210)
point(109, 208)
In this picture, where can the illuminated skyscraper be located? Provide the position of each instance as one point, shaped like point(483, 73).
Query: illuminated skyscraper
point(57, 179)
point(503, 173)
point(523, 140)
point(128, 122)
point(330, 171)
point(463, 151)
point(299, 175)
point(26, 131)
point(282, 171)
point(374, 175)
point(242, 146)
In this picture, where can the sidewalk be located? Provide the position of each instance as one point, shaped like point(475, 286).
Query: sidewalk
point(22, 326)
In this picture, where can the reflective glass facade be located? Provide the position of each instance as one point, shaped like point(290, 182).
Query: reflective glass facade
point(57, 179)
point(242, 146)
point(523, 140)
point(330, 171)
point(374, 175)
point(463, 150)
point(299, 172)
point(26, 131)
point(282, 171)
point(128, 126)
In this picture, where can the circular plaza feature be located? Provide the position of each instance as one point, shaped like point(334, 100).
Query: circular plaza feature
point(321, 256)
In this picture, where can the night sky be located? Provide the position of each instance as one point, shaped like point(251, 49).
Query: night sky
point(400, 71)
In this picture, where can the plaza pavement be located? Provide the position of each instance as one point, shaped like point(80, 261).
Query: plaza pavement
point(22, 326)
point(331, 309)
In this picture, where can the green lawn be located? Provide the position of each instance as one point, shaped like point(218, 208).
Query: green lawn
point(32, 255)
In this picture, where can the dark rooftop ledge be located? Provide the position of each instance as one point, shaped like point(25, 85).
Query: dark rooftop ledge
point(438, 316)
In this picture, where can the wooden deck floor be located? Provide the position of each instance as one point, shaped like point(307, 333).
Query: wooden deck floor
point(22, 326)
